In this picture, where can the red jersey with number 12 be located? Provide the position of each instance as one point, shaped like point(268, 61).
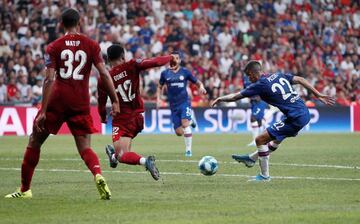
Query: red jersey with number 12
point(72, 57)
point(127, 84)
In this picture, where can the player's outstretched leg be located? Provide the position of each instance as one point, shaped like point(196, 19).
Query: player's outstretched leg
point(124, 155)
point(264, 156)
point(151, 167)
point(246, 159)
point(30, 161)
point(255, 130)
point(110, 152)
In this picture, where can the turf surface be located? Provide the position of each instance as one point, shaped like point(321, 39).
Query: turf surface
point(64, 192)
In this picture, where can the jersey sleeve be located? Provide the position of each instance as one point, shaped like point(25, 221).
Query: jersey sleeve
point(162, 78)
point(289, 77)
point(97, 56)
point(252, 90)
point(143, 64)
point(49, 57)
point(190, 77)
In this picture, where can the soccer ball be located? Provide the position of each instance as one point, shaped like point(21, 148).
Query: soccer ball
point(208, 165)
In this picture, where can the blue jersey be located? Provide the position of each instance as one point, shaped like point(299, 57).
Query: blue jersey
point(176, 83)
point(276, 89)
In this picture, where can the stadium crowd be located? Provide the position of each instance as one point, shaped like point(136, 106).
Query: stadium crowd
point(316, 39)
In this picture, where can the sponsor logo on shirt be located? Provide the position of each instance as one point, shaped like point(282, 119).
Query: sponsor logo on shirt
point(178, 84)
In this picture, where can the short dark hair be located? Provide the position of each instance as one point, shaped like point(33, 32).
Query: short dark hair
point(115, 51)
point(251, 66)
point(70, 18)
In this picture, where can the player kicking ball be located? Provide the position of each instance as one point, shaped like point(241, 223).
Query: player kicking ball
point(130, 121)
point(275, 89)
point(176, 78)
point(66, 98)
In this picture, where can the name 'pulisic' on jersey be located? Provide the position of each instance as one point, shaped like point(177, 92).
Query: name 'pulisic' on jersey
point(176, 83)
point(276, 89)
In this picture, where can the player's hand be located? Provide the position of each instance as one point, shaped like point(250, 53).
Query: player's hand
point(115, 110)
point(202, 90)
point(213, 103)
point(328, 100)
point(39, 123)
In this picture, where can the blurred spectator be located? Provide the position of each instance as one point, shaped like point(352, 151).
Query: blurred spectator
point(24, 89)
point(13, 94)
point(3, 90)
point(37, 90)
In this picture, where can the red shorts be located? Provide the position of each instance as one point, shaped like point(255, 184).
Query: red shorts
point(78, 123)
point(127, 127)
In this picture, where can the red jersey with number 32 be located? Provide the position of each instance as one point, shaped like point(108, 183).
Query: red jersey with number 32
point(72, 57)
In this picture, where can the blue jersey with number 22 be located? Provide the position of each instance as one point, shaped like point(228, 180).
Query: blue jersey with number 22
point(276, 89)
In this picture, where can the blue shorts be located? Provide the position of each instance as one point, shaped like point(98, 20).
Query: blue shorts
point(288, 127)
point(258, 109)
point(182, 111)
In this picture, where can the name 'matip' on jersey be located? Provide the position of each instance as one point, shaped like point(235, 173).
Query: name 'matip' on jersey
point(276, 89)
point(176, 83)
point(72, 57)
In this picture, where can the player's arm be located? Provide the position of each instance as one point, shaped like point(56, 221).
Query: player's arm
point(108, 86)
point(227, 98)
point(201, 87)
point(322, 97)
point(154, 62)
point(197, 82)
point(160, 89)
point(47, 87)
point(252, 90)
point(102, 99)
point(159, 92)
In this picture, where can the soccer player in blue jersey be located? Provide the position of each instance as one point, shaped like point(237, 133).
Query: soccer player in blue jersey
point(257, 112)
point(176, 79)
point(275, 89)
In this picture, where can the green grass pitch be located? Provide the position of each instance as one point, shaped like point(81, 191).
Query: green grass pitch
point(316, 180)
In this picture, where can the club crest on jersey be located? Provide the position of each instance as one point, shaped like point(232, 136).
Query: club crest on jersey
point(181, 77)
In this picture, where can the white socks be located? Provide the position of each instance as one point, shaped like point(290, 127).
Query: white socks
point(264, 156)
point(255, 129)
point(142, 161)
point(188, 138)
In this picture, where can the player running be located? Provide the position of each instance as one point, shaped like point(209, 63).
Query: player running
point(257, 113)
point(274, 89)
point(176, 78)
point(130, 122)
point(66, 98)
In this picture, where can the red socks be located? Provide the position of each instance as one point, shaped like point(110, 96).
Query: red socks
point(31, 159)
point(91, 160)
point(130, 158)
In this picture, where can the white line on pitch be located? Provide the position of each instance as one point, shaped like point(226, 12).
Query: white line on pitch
point(189, 174)
point(194, 161)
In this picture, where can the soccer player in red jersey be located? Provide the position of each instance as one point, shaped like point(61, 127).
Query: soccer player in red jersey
point(130, 121)
point(66, 98)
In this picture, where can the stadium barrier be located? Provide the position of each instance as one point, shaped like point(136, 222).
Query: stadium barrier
point(19, 120)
